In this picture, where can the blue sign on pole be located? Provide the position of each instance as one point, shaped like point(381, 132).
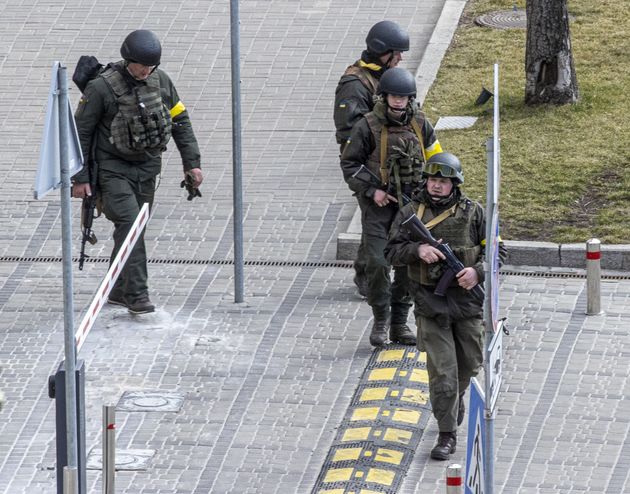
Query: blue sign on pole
point(475, 450)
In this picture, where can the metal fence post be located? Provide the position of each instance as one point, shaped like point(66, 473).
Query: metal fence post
point(454, 480)
point(593, 277)
point(70, 480)
point(109, 448)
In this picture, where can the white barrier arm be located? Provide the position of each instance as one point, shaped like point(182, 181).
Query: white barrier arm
point(111, 276)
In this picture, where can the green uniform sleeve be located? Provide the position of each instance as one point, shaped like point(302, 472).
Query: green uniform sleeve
point(183, 133)
point(88, 115)
point(352, 101)
point(356, 152)
point(401, 250)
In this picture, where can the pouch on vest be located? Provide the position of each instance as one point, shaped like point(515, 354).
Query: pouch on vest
point(88, 67)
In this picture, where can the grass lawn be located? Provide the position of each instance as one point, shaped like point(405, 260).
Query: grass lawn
point(565, 170)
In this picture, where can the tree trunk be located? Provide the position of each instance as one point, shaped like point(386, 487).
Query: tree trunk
point(549, 71)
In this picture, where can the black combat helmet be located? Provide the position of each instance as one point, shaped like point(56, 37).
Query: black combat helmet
point(398, 82)
point(142, 46)
point(387, 36)
point(445, 165)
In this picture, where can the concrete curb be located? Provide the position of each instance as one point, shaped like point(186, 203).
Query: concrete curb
point(525, 253)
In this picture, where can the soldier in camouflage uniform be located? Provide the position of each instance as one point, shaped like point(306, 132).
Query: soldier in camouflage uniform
point(392, 141)
point(450, 326)
point(354, 97)
point(125, 118)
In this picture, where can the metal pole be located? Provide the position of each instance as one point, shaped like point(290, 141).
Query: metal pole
point(593, 277)
point(70, 480)
point(454, 479)
point(237, 181)
point(488, 440)
point(109, 448)
point(66, 246)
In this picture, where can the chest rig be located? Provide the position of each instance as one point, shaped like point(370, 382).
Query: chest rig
point(398, 154)
point(454, 226)
point(142, 124)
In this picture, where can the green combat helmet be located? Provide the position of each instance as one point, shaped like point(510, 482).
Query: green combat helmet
point(445, 165)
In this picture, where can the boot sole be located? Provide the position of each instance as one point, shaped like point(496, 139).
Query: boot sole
point(141, 311)
point(438, 456)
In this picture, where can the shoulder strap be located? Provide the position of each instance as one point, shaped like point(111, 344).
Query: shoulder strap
point(384, 170)
point(367, 79)
point(418, 131)
point(438, 219)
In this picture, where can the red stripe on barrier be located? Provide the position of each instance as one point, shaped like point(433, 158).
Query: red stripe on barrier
point(453, 481)
point(111, 426)
point(594, 256)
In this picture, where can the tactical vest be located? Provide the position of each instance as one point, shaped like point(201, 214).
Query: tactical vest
point(455, 230)
point(398, 154)
point(142, 124)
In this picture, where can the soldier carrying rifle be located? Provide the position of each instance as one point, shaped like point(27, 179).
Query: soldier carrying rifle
point(391, 141)
point(448, 298)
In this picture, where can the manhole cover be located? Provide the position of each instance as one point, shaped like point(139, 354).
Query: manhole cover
point(126, 459)
point(150, 401)
point(503, 19)
point(446, 123)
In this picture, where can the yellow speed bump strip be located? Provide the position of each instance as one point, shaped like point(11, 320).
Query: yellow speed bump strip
point(382, 427)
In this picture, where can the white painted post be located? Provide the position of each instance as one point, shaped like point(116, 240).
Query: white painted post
point(109, 448)
point(593, 277)
point(454, 479)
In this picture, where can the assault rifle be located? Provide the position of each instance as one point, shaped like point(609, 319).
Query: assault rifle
point(375, 181)
point(87, 217)
point(420, 233)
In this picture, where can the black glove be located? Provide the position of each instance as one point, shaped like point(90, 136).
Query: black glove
point(188, 182)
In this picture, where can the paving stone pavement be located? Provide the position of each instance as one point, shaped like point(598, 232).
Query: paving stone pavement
point(266, 382)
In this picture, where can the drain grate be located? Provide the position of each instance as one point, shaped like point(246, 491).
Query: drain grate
point(526, 271)
point(213, 262)
point(503, 19)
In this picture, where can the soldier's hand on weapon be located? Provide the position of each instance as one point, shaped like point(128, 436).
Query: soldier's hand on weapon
point(81, 190)
point(382, 198)
point(430, 254)
point(467, 278)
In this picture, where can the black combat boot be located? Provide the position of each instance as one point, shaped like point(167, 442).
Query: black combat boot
point(461, 410)
point(400, 333)
point(141, 305)
point(445, 446)
point(380, 328)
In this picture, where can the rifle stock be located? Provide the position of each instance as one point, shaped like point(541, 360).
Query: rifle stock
point(420, 233)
